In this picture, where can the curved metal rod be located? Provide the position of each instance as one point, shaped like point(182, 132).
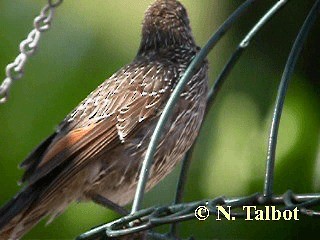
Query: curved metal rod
point(242, 46)
point(217, 86)
point(181, 212)
point(283, 87)
point(186, 162)
point(191, 70)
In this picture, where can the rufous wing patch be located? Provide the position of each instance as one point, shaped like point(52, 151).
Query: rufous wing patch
point(65, 142)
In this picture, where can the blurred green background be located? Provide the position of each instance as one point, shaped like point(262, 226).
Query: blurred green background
point(90, 40)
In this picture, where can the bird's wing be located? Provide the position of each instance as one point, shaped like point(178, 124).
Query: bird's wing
point(104, 119)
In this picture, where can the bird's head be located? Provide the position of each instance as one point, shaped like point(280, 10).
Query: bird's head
point(166, 24)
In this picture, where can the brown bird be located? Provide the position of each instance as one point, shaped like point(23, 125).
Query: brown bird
point(96, 152)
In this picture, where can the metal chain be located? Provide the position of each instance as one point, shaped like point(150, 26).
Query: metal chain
point(156, 216)
point(15, 70)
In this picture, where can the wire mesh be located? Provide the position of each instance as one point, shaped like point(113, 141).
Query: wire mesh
point(147, 219)
point(191, 70)
point(156, 216)
point(142, 221)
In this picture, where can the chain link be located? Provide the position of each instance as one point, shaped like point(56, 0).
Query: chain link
point(155, 216)
point(15, 70)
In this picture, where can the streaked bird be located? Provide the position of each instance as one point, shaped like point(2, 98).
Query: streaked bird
point(97, 151)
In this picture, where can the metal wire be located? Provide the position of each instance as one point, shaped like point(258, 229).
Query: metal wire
point(143, 220)
point(191, 70)
point(187, 159)
point(216, 88)
point(240, 49)
point(283, 87)
point(15, 70)
point(155, 216)
point(186, 162)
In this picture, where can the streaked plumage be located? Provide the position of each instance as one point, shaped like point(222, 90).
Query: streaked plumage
point(100, 145)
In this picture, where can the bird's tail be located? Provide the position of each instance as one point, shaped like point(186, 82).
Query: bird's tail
point(18, 215)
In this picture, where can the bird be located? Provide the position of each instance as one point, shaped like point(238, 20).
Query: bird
point(96, 152)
